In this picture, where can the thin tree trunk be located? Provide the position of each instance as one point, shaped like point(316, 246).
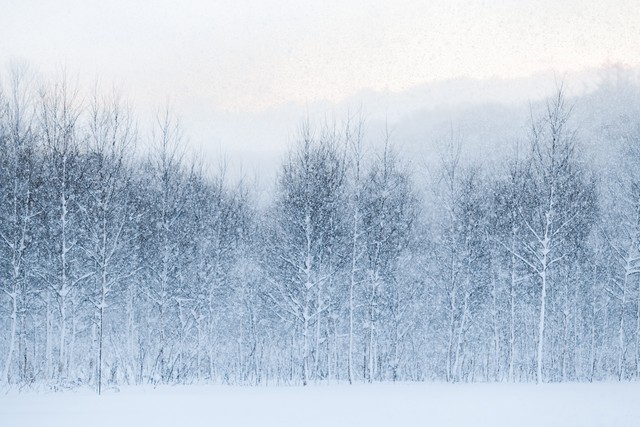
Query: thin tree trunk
point(100, 344)
point(12, 336)
point(541, 324)
point(512, 329)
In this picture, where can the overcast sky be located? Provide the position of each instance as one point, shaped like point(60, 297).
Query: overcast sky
point(225, 63)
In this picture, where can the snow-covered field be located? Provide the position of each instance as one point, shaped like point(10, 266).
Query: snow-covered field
point(608, 404)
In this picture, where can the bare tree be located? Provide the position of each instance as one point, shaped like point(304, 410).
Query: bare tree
point(59, 113)
point(389, 210)
point(305, 215)
point(106, 207)
point(556, 212)
point(20, 182)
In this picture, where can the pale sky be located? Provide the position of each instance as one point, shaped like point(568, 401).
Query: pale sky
point(244, 57)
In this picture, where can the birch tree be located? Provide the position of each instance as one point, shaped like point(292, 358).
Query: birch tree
point(19, 186)
point(622, 233)
point(162, 234)
point(555, 213)
point(354, 139)
point(59, 113)
point(305, 217)
point(106, 209)
point(507, 230)
point(389, 210)
point(460, 254)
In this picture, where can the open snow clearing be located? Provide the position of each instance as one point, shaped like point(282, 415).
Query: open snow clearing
point(423, 404)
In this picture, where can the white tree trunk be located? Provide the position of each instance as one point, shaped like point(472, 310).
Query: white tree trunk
point(12, 336)
point(512, 315)
point(543, 302)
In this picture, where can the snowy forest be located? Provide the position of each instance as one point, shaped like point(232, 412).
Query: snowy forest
point(122, 265)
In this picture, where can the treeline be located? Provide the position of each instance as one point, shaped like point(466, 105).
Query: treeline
point(119, 268)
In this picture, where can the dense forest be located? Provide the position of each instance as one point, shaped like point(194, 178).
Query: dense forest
point(126, 266)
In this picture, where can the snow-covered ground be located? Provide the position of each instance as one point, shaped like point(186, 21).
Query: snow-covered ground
point(608, 404)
